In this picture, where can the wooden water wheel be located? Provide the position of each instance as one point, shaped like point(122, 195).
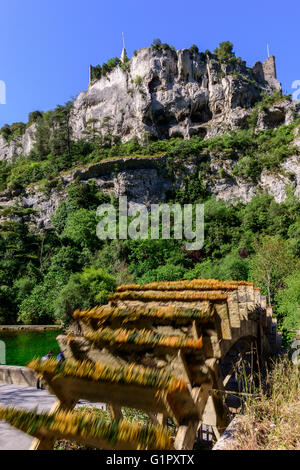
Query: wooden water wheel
point(165, 348)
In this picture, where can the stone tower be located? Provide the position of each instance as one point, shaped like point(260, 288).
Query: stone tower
point(123, 57)
point(267, 72)
point(269, 68)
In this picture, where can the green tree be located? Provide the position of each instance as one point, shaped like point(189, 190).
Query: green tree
point(60, 141)
point(42, 138)
point(225, 51)
point(80, 228)
point(231, 267)
point(5, 131)
point(38, 307)
point(288, 302)
point(35, 116)
point(194, 49)
point(84, 290)
point(168, 272)
point(156, 43)
point(272, 262)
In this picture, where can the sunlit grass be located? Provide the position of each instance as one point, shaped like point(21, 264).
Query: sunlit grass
point(271, 419)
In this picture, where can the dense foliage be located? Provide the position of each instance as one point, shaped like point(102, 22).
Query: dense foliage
point(45, 276)
point(99, 71)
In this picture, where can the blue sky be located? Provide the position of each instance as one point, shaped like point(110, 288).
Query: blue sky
point(46, 46)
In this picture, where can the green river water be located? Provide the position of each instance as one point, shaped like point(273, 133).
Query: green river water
point(22, 346)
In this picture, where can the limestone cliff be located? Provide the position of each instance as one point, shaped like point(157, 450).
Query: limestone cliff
point(147, 180)
point(18, 145)
point(166, 93)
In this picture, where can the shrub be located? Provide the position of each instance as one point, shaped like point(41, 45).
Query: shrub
point(194, 49)
point(99, 71)
point(16, 129)
point(288, 300)
point(169, 272)
point(84, 290)
point(138, 80)
point(35, 116)
point(225, 51)
point(156, 43)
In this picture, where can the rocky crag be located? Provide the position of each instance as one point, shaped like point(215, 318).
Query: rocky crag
point(163, 94)
point(168, 93)
point(21, 145)
point(147, 181)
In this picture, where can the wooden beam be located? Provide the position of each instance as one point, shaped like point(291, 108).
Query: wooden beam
point(200, 396)
point(47, 442)
point(93, 442)
point(154, 417)
point(186, 436)
point(186, 374)
point(120, 394)
point(162, 419)
point(177, 404)
point(115, 411)
point(216, 432)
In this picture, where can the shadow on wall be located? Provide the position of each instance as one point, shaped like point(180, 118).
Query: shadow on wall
point(17, 376)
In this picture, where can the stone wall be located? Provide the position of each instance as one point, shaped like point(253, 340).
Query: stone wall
point(29, 328)
point(269, 68)
point(18, 376)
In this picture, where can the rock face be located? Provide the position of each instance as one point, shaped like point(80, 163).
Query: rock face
point(280, 113)
point(167, 93)
point(164, 93)
point(142, 180)
point(147, 181)
point(17, 146)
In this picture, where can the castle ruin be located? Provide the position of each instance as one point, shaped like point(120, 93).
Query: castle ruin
point(266, 72)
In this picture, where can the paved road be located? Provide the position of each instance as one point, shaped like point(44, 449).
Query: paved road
point(28, 398)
